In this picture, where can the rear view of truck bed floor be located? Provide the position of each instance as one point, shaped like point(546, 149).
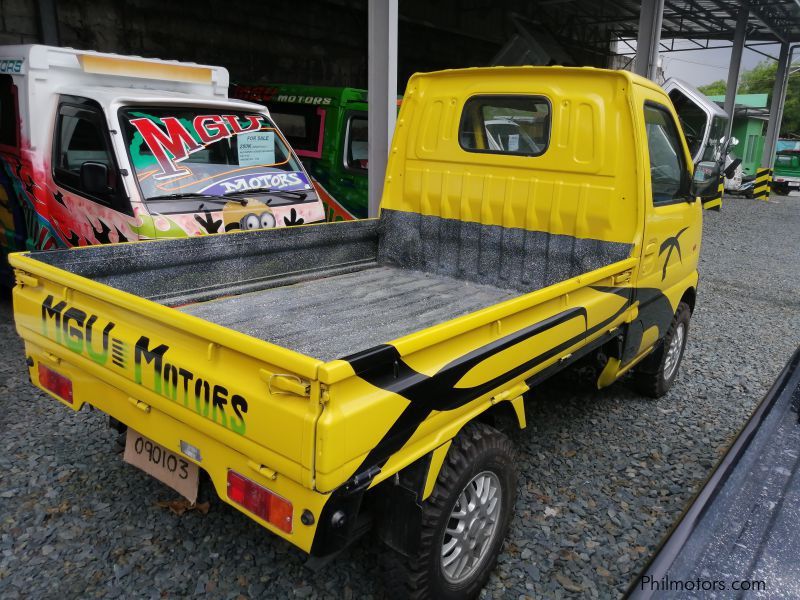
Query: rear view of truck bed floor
point(336, 316)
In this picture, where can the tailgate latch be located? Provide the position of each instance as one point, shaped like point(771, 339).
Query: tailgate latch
point(621, 278)
point(285, 383)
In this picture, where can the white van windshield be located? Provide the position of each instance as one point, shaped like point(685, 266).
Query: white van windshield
point(207, 151)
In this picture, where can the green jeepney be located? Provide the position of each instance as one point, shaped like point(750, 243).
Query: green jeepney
point(327, 127)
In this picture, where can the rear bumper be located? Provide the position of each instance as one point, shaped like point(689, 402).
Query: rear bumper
point(215, 458)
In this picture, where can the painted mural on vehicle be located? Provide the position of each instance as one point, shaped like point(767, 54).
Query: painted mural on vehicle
point(85, 171)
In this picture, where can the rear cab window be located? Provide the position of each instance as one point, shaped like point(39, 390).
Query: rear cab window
point(669, 174)
point(518, 125)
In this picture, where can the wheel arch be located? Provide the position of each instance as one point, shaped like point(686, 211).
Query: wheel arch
point(690, 298)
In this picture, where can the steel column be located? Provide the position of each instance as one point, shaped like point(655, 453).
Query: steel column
point(48, 22)
point(382, 92)
point(739, 40)
point(649, 38)
point(764, 174)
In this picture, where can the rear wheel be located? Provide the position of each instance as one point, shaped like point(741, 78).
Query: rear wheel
point(656, 374)
point(464, 521)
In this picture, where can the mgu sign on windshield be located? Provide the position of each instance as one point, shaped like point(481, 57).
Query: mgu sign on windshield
point(174, 143)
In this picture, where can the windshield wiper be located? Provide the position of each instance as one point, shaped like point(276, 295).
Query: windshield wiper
point(187, 195)
point(266, 190)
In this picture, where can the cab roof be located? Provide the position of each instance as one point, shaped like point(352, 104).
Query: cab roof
point(101, 68)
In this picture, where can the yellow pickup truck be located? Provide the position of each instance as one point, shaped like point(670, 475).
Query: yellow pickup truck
point(330, 379)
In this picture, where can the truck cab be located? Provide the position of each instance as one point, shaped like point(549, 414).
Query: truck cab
point(786, 175)
point(100, 148)
point(704, 125)
point(327, 126)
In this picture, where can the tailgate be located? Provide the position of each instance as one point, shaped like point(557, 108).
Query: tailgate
point(252, 396)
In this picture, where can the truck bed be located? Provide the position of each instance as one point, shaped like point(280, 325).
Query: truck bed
point(743, 524)
point(342, 314)
point(328, 291)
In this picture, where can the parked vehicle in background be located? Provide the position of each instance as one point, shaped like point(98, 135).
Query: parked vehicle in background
point(327, 126)
point(98, 148)
point(353, 375)
point(704, 125)
point(786, 173)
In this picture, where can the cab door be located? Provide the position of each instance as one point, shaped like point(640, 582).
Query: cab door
point(672, 229)
point(88, 203)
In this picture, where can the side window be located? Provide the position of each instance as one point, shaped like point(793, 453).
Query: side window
point(505, 125)
point(80, 137)
point(8, 112)
point(302, 126)
point(668, 172)
point(356, 153)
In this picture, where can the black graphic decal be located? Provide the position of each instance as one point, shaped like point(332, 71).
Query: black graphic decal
point(232, 226)
point(383, 367)
point(292, 219)
point(74, 239)
point(102, 233)
point(210, 225)
point(120, 236)
point(670, 244)
point(59, 197)
point(655, 309)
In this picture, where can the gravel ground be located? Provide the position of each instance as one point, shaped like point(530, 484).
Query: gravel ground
point(603, 475)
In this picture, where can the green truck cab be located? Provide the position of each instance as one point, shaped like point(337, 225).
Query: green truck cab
point(327, 126)
point(786, 175)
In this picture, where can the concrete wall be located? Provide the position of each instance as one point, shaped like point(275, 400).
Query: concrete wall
point(308, 41)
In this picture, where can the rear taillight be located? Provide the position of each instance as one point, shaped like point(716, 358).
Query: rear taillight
point(55, 382)
point(260, 501)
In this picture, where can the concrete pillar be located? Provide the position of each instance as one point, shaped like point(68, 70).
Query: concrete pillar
point(382, 92)
point(739, 40)
point(764, 174)
point(647, 43)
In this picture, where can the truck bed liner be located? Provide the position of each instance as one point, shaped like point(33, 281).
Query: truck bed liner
point(339, 315)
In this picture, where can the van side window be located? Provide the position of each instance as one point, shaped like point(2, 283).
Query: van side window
point(505, 125)
point(356, 153)
point(80, 137)
point(668, 173)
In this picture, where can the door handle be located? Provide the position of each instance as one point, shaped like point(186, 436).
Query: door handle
point(650, 249)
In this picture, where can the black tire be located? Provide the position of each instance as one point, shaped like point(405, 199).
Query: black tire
point(654, 376)
point(476, 450)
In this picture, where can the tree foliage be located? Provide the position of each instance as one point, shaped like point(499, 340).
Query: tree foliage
point(759, 80)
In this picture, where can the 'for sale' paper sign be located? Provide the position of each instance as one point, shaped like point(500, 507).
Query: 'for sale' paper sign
point(257, 148)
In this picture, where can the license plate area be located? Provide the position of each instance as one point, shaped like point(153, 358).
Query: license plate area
point(168, 467)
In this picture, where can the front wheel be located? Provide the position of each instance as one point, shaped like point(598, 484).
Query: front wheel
point(656, 373)
point(464, 521)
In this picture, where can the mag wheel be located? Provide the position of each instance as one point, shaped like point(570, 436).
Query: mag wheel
point(464, 521)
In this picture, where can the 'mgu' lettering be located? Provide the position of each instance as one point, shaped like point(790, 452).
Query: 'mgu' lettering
point(175, 143)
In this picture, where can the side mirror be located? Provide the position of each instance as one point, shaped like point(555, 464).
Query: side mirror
point(706, 179)
point(94, 178)
point(734, 142)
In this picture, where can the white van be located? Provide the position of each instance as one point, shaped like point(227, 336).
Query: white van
point(98, 148)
